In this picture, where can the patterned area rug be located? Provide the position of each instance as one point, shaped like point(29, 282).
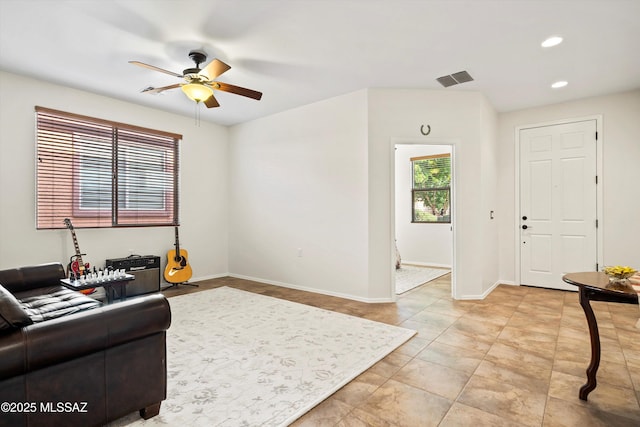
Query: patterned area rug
point(240, 359)
point(412, 276)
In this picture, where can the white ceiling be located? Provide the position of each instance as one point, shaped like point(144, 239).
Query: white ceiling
point(300, 51)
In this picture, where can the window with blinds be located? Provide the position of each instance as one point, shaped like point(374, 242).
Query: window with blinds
point(100, 173)
point(431, 189)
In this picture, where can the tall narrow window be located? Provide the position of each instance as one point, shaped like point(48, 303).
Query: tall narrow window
point(104, 174)
point(431, 190)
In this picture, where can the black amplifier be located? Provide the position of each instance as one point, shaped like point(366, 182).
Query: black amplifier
point(134, 262)
point(145, 268)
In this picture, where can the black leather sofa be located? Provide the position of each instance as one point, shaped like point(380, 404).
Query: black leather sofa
point(68, 360)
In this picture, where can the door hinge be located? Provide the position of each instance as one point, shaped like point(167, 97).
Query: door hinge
point(596, 135)
point(596, 179)
point(597, 267)
point(596, 223)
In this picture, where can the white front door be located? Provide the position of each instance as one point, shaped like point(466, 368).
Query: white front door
point(558, 210)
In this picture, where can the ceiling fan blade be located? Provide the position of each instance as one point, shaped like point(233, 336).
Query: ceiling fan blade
point(160, 89)
point(214, 69)
point(211, 102)
point(226, 87)
point(153, 67)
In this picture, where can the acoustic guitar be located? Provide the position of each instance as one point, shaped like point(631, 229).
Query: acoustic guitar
point(76, 266)
point(178, 269)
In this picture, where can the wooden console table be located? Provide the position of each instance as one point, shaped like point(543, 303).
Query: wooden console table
point(594, 287)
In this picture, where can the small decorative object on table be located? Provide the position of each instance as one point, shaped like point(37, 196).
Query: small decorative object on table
point(619, 276)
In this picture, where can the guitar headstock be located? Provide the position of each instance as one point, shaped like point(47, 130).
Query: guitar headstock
point(67, 222)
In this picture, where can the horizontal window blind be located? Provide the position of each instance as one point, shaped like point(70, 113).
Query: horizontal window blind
point(431, 171)
point(99, 173)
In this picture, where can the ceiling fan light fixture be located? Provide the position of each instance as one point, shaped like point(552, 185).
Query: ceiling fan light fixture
point(197, 91)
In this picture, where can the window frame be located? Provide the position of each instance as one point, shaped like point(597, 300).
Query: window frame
point(414, 190)
point(112, 139)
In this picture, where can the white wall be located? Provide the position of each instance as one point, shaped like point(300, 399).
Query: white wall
point(298, 182)
point(489, 211)
point(468, 121)
point(203, 210)
point(421, 244)
point(313, 181)
point(621, 173)
point(319, 178)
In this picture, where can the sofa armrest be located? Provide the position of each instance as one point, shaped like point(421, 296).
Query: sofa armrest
point(12, 316)
point(76, 335)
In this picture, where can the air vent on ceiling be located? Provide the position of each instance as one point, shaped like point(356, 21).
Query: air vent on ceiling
point(455, 78)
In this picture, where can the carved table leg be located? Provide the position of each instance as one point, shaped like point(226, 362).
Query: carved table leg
point(595, 345)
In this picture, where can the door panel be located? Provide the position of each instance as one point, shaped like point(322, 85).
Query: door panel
point(540, 190)
point(557, 202)
point(574, 251)
point(540, 253)
point(573, 190)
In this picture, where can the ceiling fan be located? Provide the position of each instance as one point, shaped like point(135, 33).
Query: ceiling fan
point(199, 82)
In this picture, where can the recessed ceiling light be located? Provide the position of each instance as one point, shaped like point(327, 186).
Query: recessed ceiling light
point(552, 41)
point(558, 85)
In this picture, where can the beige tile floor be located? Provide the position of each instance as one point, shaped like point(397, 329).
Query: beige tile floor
point(516, 358)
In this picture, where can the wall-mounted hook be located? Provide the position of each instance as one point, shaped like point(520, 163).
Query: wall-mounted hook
point(427, 132)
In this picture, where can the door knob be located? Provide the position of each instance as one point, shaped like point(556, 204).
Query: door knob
point(524, 218)
point(524, 227)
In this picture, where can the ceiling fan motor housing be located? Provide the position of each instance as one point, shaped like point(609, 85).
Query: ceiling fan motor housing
point(198, 57)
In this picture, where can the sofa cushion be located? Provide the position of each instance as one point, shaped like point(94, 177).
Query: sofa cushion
point(12, 316)
point(59, 301)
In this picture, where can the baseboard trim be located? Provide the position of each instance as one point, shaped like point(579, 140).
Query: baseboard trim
point(313, 290)
point(196, 279)
point(508, 282)
point(211, 276)
point(487, 292)
point(338, 294)
point(426, 264)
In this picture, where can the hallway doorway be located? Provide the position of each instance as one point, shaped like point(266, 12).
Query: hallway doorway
point(423, 212)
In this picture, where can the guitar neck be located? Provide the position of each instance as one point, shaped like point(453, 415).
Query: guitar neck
point(177, 243)
point(77, 248)
point(78, 258)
